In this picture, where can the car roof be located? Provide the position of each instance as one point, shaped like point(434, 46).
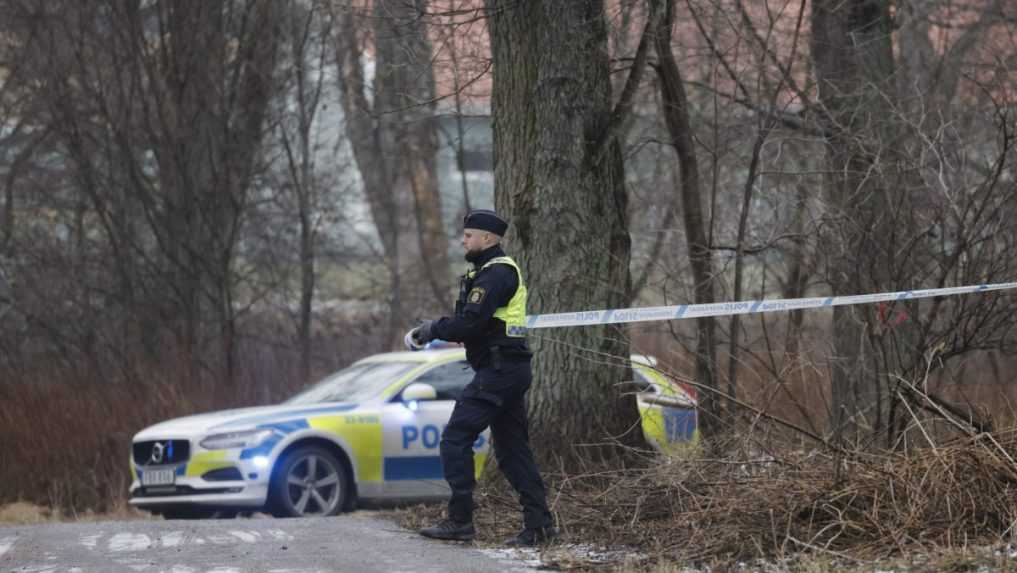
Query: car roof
point(423, 356)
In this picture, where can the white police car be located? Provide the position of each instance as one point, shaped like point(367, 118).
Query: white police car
point(370, 431)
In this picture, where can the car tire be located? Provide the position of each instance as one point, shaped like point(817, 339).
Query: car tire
point(309, 481)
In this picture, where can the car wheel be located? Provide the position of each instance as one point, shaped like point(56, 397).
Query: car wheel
point(310, 481)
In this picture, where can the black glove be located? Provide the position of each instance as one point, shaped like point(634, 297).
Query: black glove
point(423, 333)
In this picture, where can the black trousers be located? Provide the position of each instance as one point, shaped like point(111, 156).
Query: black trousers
point(495, 398)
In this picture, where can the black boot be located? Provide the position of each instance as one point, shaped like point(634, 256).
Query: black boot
point(531, 537)
point(448, 529)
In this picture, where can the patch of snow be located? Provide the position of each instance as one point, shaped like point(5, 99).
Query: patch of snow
point(280, 535)
point(599, 554)
point(1009, 550)
point(222, 539)
point(516, 556)
point(135, 563)
point(247, 536)
point(5, 544)
point(171, 539)
point(90, 541)
point(129, 542)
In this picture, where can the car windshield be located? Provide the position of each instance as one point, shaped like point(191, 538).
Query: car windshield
point(354, 384)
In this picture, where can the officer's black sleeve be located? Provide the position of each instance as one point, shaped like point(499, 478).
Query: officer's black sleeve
point(493, 288)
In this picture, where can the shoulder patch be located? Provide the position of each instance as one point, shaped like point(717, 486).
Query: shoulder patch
point(476, 295)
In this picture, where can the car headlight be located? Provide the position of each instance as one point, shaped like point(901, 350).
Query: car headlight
point(233, 440)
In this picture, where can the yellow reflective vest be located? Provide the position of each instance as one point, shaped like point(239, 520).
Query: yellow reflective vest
point(514, 313)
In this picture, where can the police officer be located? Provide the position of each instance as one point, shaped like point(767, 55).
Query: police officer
point(490, 320)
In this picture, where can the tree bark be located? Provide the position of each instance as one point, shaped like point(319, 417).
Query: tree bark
point(405, 103)
point(797, 275)
point(928, 79)
point(739, 271)
point(377, 168)
point(394, 140)
point(853, 56)
point(308, 34)
point(460, 146)
point(551, 103)
point(676, 115)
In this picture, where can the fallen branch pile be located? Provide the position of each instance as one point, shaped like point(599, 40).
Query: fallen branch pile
point(851, 505)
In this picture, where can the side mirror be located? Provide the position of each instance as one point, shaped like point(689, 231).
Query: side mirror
point(419, 391)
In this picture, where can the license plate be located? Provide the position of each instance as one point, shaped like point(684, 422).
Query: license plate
point(158, 477)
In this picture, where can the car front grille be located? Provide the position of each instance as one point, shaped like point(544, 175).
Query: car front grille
point(223, 474)
point(161, 452)
point(166, 491)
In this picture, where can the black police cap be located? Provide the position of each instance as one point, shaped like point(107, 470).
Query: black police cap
point(485, 220)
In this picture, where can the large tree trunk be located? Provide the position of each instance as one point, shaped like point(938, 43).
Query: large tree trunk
point(852, 51)
point(676, 115)
point(394, 140)
point(405, 101)
point(551, 104)
point(368, 142)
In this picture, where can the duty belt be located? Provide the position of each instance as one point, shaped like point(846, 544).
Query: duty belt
point(498, 354)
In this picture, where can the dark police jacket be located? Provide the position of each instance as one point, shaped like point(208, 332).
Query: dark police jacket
point(473, 322)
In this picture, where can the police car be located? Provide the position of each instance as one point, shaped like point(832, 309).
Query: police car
point(370, 432)
point(667, 408)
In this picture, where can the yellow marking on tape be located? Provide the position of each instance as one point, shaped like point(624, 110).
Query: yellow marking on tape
point(363, 437)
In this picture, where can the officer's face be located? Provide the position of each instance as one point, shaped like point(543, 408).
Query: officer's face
point(475, 240)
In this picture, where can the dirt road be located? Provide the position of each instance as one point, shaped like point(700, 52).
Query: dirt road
point(356, 542)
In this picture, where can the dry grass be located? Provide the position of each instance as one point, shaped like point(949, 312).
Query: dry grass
point(973, 560)
point(852, 507)
point(67, 447)
point(65, 433)
point(21, 513)
point(942, 507)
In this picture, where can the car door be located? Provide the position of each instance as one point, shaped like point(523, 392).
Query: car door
point(412, 465)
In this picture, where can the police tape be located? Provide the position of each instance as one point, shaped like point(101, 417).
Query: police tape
point(683, 311)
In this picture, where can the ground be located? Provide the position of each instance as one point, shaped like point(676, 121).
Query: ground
point(32, 536)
